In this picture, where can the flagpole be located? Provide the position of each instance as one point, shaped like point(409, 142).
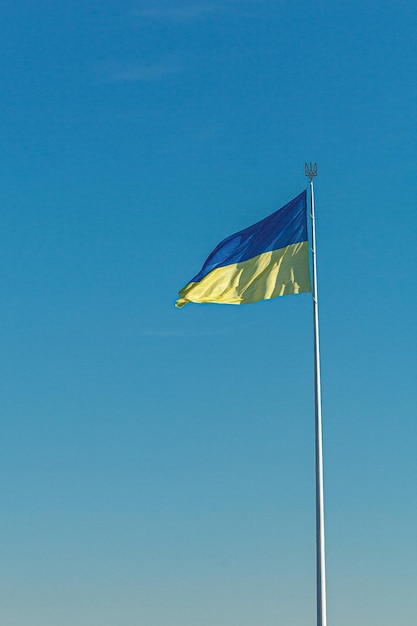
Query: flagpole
point(311, 171)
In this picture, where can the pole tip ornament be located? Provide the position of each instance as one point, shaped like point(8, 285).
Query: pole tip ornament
point(310, 170)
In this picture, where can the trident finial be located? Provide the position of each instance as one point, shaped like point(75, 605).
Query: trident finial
point(311, 170)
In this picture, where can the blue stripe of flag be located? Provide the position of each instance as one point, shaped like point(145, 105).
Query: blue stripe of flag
point(286, 226)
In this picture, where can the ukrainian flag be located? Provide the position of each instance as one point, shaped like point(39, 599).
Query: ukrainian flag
point(263, 261)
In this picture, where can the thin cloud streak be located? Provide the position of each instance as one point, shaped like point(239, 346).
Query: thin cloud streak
point(114, 72)
point(183, 333)
point(185, 13)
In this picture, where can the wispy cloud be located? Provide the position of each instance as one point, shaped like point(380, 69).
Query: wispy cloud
point(180, 12)
point(118, 72)
point(164, 11)
point(183, 333)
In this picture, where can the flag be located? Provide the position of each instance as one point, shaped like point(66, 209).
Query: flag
point(263, 261)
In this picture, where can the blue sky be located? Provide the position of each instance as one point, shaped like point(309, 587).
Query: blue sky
point(157, 465)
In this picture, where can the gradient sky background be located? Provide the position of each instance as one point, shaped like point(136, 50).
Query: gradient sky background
point(157, 465)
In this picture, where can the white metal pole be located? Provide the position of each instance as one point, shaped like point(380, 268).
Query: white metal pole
point(320, 551)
